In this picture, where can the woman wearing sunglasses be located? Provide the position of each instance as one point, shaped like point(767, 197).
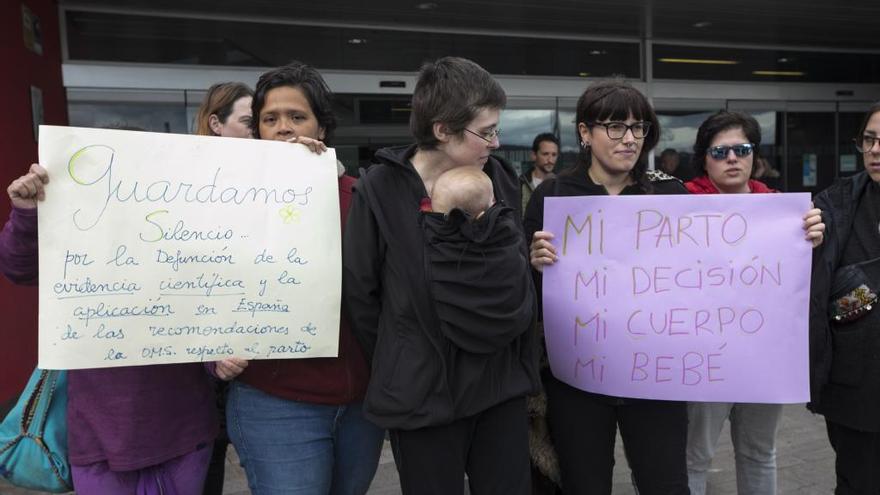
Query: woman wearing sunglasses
point(616, 128)
point(844, 331)
point(724, 157)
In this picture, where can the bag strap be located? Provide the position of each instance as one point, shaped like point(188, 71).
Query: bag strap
point(42, 401)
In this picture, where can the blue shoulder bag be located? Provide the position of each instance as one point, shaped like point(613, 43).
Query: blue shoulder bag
point(33, 437)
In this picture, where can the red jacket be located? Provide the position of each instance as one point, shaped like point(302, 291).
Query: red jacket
point(331, 381)
point(702, 185)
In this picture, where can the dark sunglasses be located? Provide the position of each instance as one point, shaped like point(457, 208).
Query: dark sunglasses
point(740, 150)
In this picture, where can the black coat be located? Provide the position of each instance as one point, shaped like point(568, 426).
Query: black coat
point(450, 333)
point(844, 358)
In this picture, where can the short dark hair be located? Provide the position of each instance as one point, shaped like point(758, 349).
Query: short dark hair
point(616, 99)
point(668, 152)
point(451, 91)
point(871, 111)
point(306, 79)
point(721, 121)
point(544, 136)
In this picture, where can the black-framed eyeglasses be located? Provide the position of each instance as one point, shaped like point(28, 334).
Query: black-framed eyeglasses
point(740, 150)
point(616, 130)
point(488, 136)
point(866, 142)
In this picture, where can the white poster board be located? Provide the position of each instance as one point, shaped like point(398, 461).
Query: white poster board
point(163, 248)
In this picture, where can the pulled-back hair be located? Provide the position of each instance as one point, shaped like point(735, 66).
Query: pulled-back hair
point(305, 78)
point(721, 121)
point(219, 101)
point(616, 99)
point(451, 91)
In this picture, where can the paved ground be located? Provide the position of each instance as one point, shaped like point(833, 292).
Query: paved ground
point(805, 460)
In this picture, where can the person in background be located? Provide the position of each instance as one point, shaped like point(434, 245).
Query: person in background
point(453, 357)
point(670, 163)
point(765, 173)
point(130, 429)
point(545, 153)
point(225, 111)
point(844, 320)
point(297, 424)
point(725, 153)
point(616, 129)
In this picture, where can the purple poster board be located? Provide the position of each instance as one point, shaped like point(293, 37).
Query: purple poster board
point(697, 298)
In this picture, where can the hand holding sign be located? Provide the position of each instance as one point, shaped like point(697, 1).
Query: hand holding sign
point(703, 298)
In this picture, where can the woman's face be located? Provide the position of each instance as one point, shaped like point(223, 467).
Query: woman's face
point(238, 123)
point(731, 173)
point(476, 142)
point(615, 157)
point(871, 154)
point(286, 114)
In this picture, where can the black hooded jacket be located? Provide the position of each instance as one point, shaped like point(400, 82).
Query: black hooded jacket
point(443, 307)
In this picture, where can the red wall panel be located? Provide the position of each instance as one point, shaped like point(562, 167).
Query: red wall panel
point(21, 69)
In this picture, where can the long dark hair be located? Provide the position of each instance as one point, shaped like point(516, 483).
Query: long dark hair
point(871, 111)
point(616, 99)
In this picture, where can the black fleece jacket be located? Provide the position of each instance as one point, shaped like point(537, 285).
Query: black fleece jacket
point(439, 353)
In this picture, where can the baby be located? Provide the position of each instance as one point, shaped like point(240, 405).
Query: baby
point(465, 188)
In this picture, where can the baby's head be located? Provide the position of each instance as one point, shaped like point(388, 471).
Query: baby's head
point(465, 188)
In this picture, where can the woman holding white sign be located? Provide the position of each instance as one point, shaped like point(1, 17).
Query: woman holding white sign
point(131, 429)
point(297, 424)
point(725, 150)
point(844, 320)
point(616, 128)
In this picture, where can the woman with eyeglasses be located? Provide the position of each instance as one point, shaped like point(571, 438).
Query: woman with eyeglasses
point(724, 157)
point(452, 341)
point(844, 324)
point(616, 128)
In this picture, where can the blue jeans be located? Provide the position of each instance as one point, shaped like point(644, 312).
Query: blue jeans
point(289, 447)
point(753, 431)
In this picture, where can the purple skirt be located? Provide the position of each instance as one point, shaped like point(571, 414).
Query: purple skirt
point(184, 475)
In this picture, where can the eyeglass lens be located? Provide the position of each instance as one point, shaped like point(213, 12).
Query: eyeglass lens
point(616, 130)
point(740, 150)
point(866, 142)
point(487, 136)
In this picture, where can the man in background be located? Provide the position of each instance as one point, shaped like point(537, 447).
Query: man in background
point(545, 152)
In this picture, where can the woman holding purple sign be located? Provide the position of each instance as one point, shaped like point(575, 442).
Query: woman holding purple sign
point(616, 128)
point(724, 154)
point(844, 326)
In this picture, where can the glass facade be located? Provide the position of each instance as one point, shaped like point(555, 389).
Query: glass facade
point(805, 149)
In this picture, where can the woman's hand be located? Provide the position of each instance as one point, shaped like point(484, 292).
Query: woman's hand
point(313, 144)
point(813, 226)
point(26, 190)
point(541, 251)
point(228, 369)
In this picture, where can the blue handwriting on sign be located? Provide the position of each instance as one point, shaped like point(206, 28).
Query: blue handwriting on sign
point(210, 191)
